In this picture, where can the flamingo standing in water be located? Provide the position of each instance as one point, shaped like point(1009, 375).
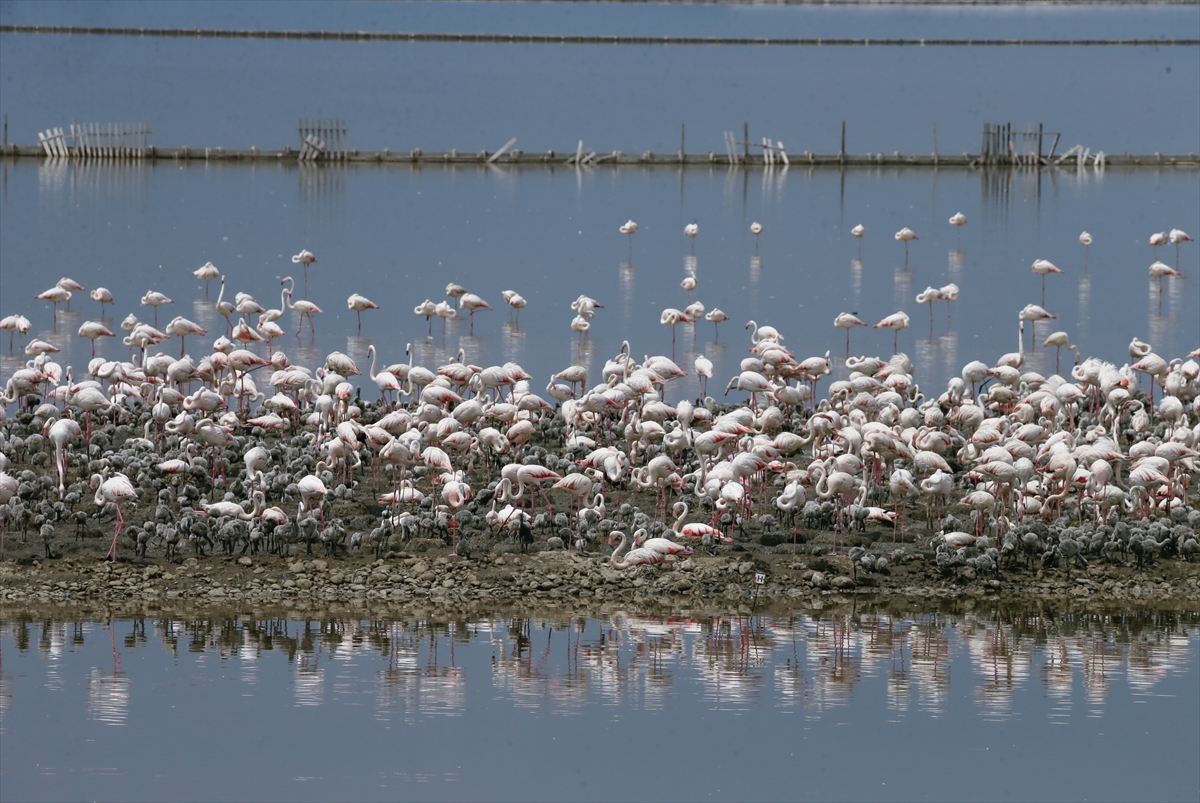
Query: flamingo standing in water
point(704, 370)
point(55, 295)
point(948, 293)
point(1178, 236)
point(358, 304)
point(93, 330)
point(1041, 267)
point(104, 296)
point(1060, 341)
point(305, 258)
point(672, 317)
point(1160, 269)
point(847, 321)
point(115, 489)
point(858, 232)
point(304, 307)
point(756, 229)
point(426, 309)
point(515, 301)
point(472, 303)
point(1033, 313)
point(689, 284)
point(930, 296)
point(896, 321)
point(958, 220)
point(155, 299)
point(1157, 239)
point(1085, 239)
point(630, 228)
point(691, 230)
point(904, 235)
point(715, 316)
point(208, 271)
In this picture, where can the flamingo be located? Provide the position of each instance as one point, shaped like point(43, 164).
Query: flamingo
point(155, 299)
point(635, 557)
point(896, 321)
point(1158, 270)
point(183, 327)
point(630, 228)
point(847, 321)
point(446, 312)
point(691, 230)
point(208, 271)
point(1060, 341)
point(756, 229)
point(55, 295)
point(14, 323)
point(1042, 267)
point(455, 290)
point(115, 489)
point(67, 283)
point(704, 370)
point(930, 296)
point(716, 316)
point(1015, 359)
point(672, 317)
point(311, 486)
point(948, 293)
point(1033, 313)
point(1157, 239)
point(305, 258)
point(427, 310)
point(904, 235)
point(93, 330)
point(304, 307)
point(515, 301)
point(472, 303)
point(1085, 239)
point(104, 296)
point(958, 220)
point(384, 380)
point(858, 232)
point(1178, 236)
point(664, 546)
point(689, 284)
point(358, 304)
point(61, 433)
point(581, 325)
point(225, 309)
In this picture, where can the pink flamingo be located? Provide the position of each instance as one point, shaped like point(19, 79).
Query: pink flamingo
point(115, 489)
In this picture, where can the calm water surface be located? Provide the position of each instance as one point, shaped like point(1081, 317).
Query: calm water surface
point(981, 705)
point(236, 93)
point(398, 235)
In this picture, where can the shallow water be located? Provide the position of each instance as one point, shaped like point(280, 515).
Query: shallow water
point(237, 93)
point(398, 235)
point(979, 705)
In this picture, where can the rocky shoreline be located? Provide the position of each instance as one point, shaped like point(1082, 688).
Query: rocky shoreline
point(429, 572)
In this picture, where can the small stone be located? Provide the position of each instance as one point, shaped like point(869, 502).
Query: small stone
point(245, 561)
point(841, 581)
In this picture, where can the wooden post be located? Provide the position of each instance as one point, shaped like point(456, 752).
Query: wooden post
point(745, 142)
point(682, 150)
point(842, 152)
point(6, 131)
point(935, 150)
point(1039, 144)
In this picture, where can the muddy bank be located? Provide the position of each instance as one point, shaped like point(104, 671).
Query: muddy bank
point(426, 571)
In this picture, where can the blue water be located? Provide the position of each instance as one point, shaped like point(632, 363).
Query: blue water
point(238, 93)
point(978, 706)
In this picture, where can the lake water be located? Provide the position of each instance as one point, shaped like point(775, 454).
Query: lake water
point(398, 235)
point(984, 704)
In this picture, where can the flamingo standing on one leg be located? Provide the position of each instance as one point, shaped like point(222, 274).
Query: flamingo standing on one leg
point(756, 229)
point(904, 235)
point(630, 228)
point(691, 230)
point(847, 321)
point(896, 321)
point(948, 293)
point(1178, 236)
point(427, 310)
point(104, 296)
point(55, 295)
point(305, 258)
point(930, 296)
point(858, 232)
point(1060, 341)
point(208, 271)
point(115, 489)
point(715, 316)
point(155, 299)
point(1085, 239)
point(1157, 239)
point(358, 304)
point(1041, 267)
point(958, 220)
point(1033, 313)
point(472, 303)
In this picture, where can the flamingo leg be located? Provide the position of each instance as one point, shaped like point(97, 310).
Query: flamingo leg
point(112, 550)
